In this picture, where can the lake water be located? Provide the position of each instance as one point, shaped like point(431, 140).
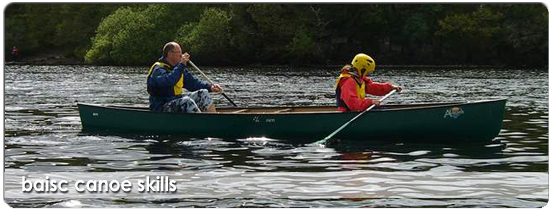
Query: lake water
point(43, 138)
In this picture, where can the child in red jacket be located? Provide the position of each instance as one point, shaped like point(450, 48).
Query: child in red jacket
point(352, 85)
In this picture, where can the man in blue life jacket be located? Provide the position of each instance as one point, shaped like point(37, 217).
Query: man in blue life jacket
point(166, 80)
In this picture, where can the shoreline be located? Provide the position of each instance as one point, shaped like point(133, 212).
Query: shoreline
point(75, 62)
point(59, 60)
point(50, 61)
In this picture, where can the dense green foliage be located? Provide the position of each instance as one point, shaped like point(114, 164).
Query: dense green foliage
point(208, 38)
point(62, 27)
point(221, 34)
point(135, 35)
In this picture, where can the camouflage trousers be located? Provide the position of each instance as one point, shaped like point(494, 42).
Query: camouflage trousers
point(192, 102)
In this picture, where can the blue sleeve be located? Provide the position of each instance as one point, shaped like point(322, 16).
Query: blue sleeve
point(163, 79)
point(191, 83)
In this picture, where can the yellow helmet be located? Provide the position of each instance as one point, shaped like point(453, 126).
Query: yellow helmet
point(364, 64)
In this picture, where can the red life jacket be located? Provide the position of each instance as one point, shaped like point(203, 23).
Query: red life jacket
point(360, 89)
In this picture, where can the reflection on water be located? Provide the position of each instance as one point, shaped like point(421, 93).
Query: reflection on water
point(42, 134)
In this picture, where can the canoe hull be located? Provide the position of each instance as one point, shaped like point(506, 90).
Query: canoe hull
point(458, 122)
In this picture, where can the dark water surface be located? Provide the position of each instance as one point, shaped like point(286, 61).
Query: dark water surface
point(43, 137)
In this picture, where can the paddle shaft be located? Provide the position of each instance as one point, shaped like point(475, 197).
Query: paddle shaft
point(353, 119)
point(209, 80)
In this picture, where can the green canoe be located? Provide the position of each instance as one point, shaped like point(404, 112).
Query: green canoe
point(441, 122)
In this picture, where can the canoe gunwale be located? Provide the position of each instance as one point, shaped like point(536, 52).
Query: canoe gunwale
point(276, 110)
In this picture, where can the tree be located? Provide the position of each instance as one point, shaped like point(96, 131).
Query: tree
point(524, 34)
point(78, 24)
point(469, 34)
point(15, 27)
point(243, 35)
point(207, 40)
point(135, 36)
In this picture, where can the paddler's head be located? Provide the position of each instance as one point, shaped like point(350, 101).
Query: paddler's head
point(172, 53)
point(364, 64)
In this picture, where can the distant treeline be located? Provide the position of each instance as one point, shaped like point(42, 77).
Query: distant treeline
point(295, 34)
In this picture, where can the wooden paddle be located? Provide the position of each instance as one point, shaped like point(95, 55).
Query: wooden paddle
point(211, 82)
point(323, 141)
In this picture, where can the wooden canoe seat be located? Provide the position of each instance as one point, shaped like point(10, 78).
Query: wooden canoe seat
point(240, 111)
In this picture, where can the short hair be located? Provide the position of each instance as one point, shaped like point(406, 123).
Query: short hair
point(168, 48)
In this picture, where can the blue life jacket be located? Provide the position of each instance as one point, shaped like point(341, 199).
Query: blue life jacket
point(165, 83)
point(156, 90)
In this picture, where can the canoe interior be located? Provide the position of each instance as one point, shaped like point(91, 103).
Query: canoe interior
point(304, 109)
